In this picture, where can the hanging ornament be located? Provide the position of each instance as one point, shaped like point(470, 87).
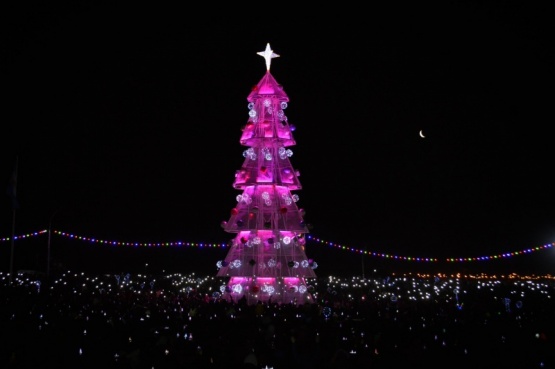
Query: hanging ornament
point(255, 289)
point(283, 210)
point(234, 211)
point(252, 262)
point(291, 264)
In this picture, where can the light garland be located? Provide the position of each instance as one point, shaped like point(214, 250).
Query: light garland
point(27, 235)
point(308, 237)
point(120, 243)
point(421, 259)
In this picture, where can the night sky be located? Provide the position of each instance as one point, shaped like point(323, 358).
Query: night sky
point(126, 125)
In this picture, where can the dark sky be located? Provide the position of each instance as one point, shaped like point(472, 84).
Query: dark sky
point(126, 122)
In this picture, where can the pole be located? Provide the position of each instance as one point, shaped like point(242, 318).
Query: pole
point(48, 247)
point(12, 246)
point(12, 192)
point(364, 252)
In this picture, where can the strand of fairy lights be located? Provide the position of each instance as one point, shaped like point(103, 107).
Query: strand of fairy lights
point(451, 260)
point(317, 240)
point(119, 243)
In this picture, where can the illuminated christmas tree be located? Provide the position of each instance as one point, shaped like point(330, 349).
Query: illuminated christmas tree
point(267, 260)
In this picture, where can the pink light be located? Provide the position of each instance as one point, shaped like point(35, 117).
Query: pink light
point(291, 281)
point(263, 280)
point(240, 280)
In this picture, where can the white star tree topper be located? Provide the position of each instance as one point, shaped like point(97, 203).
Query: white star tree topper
point(268, 54)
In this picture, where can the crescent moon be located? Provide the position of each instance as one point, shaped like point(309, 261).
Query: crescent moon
point(421, 134)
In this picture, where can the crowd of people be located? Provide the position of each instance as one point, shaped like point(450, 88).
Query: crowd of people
point(76, 320)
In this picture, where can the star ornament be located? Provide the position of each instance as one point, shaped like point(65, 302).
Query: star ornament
point(268, 54)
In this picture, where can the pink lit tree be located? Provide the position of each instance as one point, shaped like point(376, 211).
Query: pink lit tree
point(267, 260)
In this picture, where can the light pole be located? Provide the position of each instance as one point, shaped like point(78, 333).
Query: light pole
point(362, 260)
point(48, 247)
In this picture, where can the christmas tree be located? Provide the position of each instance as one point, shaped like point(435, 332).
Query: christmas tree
point(267, 260)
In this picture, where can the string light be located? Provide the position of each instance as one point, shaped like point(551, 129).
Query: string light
point(308, 237)
point(423, 259)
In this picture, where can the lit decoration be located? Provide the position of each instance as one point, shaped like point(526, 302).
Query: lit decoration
point(267, 156)
point(285, 153)
point(287, 200)
point(27, 235)
point(228, 244)
point(268, 55)
point(267, 213)
point(236, 263)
